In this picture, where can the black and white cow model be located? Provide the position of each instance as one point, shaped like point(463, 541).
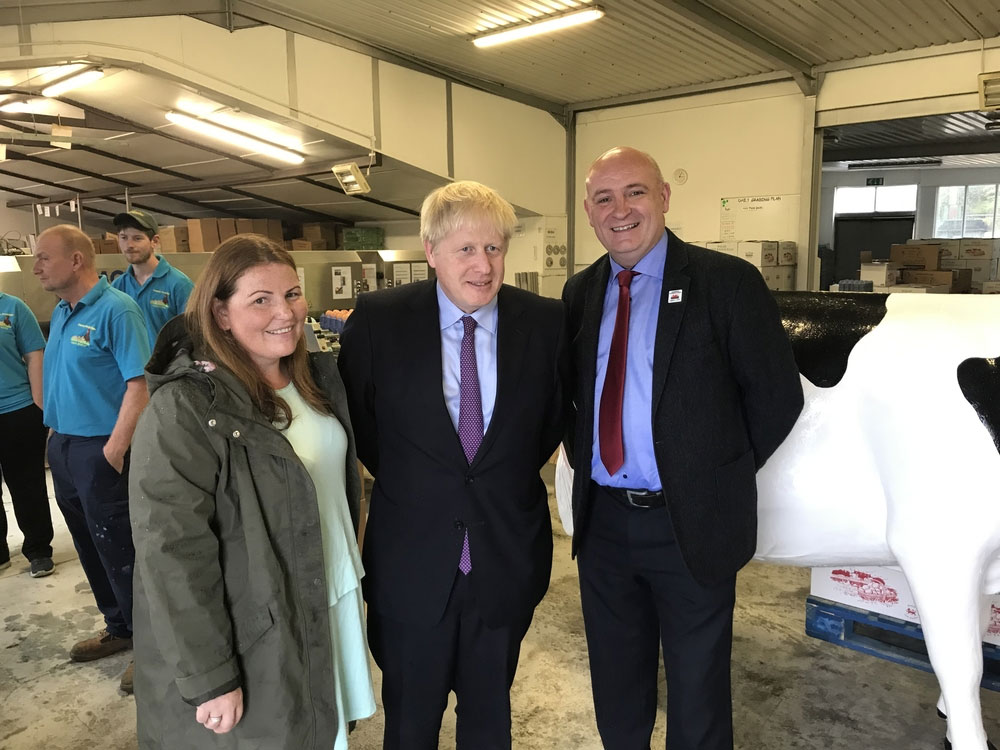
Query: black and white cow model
point(895, 460)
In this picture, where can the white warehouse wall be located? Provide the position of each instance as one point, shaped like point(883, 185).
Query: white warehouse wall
point(744, 142)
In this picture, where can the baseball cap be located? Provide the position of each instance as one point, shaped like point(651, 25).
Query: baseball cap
point(137, 217)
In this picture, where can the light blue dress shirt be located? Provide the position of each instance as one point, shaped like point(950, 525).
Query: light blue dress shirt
point(452, 332)
point(639, 470)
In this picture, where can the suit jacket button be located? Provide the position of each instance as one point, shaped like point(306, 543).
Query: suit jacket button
point(468, 478)
point(459, 525)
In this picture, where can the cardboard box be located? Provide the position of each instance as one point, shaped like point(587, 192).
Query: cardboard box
point(931, 278)
point(326, 231)
point(784, 279)
point(914, 289)
point(980, 267)
point(244, 226)
point(227, 229)
point(260, 226)
point(729, 248)
point(203, 235)
point(974, 248)
point(961, 282)
point(788, 253)
point(275, 230)
point(174, 239)
point(304, 244)
point(991, 287)
point(923, 256)
point(884, 591)
point(949, 248)
point(106, 247)
point(880, 274)
point(759, 252)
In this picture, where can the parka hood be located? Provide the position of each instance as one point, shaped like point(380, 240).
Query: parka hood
point(174, 357)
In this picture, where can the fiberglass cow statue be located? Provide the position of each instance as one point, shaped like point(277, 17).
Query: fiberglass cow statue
point(902, 397)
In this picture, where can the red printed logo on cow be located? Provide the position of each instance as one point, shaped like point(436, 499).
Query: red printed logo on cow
point(865, 586)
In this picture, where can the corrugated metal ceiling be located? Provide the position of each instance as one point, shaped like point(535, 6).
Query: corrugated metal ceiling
point(640, 49)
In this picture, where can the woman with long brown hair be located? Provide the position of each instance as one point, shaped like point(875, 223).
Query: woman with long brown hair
point(245, 500)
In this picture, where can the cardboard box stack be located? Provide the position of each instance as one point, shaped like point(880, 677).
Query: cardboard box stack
point(775, 260)
point(204, 235)
point(979, 255)
point(174, 239)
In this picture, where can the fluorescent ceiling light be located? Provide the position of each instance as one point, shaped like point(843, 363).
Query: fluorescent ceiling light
point(16, 105)
point(543, 26)
point(236, 138)
point(75, 81)
point(350, 178)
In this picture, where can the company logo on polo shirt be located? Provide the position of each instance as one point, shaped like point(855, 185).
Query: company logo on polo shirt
point(82, 339)
point(159, 299)
point(6, 320)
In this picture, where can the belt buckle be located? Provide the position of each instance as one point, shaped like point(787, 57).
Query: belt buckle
point(630, 494)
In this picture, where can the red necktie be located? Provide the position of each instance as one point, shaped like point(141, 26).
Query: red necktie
point(610, 423)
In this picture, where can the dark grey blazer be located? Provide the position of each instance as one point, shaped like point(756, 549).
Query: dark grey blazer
point(726, 392)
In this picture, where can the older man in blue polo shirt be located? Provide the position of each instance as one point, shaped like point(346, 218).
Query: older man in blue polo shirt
point(94, 392)
point(160, 290)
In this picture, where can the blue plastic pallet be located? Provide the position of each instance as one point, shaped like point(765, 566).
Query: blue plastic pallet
point(882, 636)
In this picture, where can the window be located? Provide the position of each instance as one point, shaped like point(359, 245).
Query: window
point(854, 200)
point(966, 211)
point(896, 198)
point(868, 200)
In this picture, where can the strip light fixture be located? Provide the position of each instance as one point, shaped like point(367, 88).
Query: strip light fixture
point(75, 81)
point(542, 26)
point(235, 137)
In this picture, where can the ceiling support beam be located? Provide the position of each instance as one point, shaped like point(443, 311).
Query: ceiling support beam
point(912, 150)
point(319, 215)
point(716, 23)
point(46, 11)
point(365, 198)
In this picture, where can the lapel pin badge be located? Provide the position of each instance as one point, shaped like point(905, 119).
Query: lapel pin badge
point(674, 295)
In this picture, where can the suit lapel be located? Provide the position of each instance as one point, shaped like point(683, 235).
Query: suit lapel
point(512, 341)
point(671, 313)
point(423, 368)
point(590, 327)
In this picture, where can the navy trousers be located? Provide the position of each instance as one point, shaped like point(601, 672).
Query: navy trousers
point(22, 464)
point(93, 498)
point(638, 595)
point(422, 665)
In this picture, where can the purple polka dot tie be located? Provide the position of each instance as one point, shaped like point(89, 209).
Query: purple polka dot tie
point(470, 413)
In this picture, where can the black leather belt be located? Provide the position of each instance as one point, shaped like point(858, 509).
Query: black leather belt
point(635, 498)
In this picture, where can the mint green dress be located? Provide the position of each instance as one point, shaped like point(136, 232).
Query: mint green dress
point(321, 445)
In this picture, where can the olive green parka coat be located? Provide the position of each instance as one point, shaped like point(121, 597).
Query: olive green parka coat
point(230, 588)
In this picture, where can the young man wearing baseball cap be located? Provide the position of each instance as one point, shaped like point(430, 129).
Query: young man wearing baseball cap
point(160, 290)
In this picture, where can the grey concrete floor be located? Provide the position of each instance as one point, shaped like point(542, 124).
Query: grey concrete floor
point(790, 691)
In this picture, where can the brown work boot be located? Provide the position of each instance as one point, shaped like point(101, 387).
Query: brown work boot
point(126, 684)
point(101, 645)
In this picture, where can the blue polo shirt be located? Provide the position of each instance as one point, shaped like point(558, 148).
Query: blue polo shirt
point(163, 296)
point(93, 349)
point(19, 335)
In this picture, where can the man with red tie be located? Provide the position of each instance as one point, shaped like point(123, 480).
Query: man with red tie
point(456, 400)
point(685, 385)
